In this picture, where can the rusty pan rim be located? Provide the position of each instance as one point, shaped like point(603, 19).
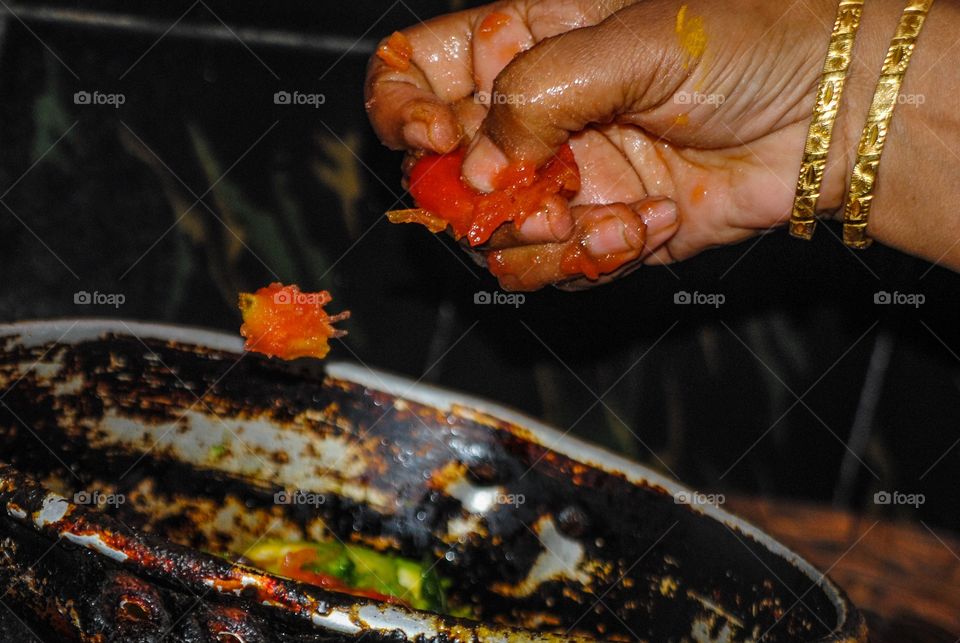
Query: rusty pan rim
point(850, 626)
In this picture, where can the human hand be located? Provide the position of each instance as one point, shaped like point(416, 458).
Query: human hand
point(687, 121)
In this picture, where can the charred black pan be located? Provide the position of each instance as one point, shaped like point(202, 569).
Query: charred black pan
point(548, 538)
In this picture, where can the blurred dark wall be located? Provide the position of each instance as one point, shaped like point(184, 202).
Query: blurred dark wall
point(198, 185)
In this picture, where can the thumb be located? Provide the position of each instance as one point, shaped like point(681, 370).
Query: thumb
point(559, 86)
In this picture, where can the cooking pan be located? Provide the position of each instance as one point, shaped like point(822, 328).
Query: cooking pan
point(134, 453)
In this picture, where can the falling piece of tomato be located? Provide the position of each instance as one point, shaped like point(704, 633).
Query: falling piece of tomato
point(282, 321)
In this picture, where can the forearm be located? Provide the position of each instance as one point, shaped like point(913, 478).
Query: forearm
point(917, 187)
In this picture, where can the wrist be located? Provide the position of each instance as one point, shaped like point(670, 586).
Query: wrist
point(878, 20)
point(912, 207)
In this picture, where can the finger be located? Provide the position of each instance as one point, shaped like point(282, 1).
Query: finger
point(406, 117)
point(661, 219)
point(583, 283)
point(505, 29)
point(527, 268)
point(606, 176)
point(605, 230)
point(607, 237)
point(559, 86)
point(660, 257)
point(408, 102)
point(498, 37)
point(606, 173)
point(470, 114)
point(552, 224)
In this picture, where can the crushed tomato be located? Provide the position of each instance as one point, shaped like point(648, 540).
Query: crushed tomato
point(423, 217)
point(396, 52)
point(281, 321)
point(437, 185)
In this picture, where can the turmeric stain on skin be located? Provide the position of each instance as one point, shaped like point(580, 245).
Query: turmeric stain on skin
point(691, 34)
point(681, 120)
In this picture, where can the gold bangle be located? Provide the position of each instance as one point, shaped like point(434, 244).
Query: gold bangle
point(856, 210)
point(803, 218)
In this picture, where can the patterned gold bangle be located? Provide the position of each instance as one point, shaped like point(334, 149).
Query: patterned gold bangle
point(803, 218)
point(856, 211)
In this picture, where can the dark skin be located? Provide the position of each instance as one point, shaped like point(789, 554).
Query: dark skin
point(687, 121)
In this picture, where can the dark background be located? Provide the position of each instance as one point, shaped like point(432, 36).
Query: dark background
point(199, 186)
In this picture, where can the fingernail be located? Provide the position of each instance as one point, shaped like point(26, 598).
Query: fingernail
point(537, 228)
point(483, 162)
point(552, 223)
point(610, 236)
point(561, 224)
point(440, 136)
point(559, 217)
point(417, 134)
point(659, 215)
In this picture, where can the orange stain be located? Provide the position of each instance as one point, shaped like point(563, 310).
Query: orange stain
point(396, 52)
point(698, 194)
point(507, 52)
point(681, 120)
point(493, 23)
